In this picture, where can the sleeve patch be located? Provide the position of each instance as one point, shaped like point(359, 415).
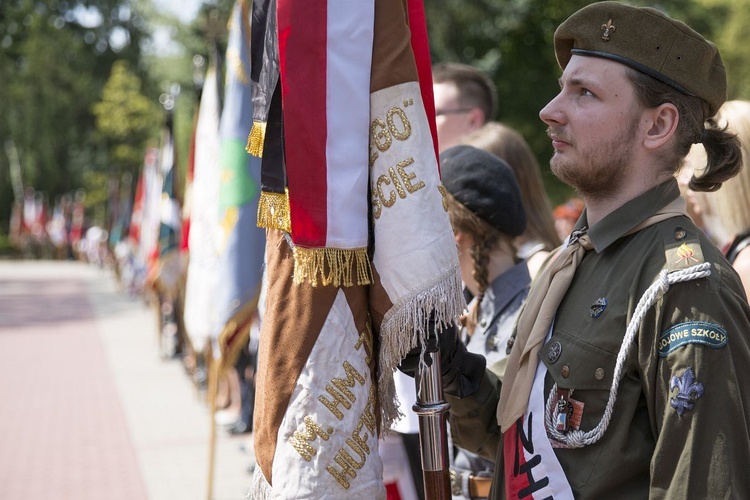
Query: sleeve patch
point(692, 332)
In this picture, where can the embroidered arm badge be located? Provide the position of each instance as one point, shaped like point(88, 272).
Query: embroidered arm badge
point(692, 332)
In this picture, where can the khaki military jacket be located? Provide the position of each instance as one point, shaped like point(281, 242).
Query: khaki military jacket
point(681, 423)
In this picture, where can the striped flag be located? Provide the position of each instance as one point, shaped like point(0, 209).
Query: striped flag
point(360, 250)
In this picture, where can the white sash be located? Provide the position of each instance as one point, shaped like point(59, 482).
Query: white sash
point(538, 474)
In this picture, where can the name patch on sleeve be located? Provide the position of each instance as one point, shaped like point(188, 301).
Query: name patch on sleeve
point(692, 332)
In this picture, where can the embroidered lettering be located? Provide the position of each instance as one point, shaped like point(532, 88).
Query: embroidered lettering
point(403, 134)
point(301, 439)
point(444, 195)
point(380, 136)
point(349, 465)
point(351, 376)
point(368, 417)
point(365, 337)
point(379, 189)
point(338, 399)
point(407, 177)
point(396, 183)
point(402, 182)
point(692, 332)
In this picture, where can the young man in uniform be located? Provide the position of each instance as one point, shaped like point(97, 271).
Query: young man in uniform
point(628, 375)
point(465, 99)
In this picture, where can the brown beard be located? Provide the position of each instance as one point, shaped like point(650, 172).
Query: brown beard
point(599, 174)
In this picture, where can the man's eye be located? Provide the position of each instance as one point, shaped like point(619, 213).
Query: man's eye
point(586, 92)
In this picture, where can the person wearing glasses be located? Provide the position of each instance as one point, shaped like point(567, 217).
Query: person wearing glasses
point(465, 99)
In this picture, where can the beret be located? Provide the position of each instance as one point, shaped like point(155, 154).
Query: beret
point(485, 185)
point(648, 41)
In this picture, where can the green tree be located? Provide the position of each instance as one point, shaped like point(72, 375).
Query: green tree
point(54, 59)
point(126, 118)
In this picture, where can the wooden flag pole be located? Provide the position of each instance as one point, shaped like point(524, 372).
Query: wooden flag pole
point(213, 384)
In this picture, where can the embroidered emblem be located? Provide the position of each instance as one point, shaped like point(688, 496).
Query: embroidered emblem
point(692, 332)
point(688, 391)
point(607, 30)
point(554, 351)
point(598, 307)
point(686, 255)
point(683, 254)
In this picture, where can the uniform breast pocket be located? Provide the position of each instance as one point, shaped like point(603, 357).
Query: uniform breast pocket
point(586, 371)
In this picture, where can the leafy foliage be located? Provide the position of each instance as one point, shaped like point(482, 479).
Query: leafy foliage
point(54, 59)
point(512, 41)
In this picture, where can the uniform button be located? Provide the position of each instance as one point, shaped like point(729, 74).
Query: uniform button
point(565, 372)
point(483, 323)
point(553, 352)
point(599, 373)
point(679, 233)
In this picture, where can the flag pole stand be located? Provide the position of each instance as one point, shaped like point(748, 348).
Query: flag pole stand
point(433, 430)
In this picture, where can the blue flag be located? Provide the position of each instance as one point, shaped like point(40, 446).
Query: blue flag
point(243, 243)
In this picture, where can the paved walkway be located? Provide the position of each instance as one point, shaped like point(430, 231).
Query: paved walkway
point(88, 410)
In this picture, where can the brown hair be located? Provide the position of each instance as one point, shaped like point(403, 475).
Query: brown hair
point(475, 88)
point(728, 209)
point(723, 155)
point(504, 142)
point(486, 238)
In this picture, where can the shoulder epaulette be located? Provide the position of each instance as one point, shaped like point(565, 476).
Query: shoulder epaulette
point(682, 249)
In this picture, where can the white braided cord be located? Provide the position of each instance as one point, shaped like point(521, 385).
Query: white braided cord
point(578, 439)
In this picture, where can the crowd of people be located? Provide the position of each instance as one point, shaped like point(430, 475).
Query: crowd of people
point(59, 232)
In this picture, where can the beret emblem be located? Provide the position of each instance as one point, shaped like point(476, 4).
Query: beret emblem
point(607, 29)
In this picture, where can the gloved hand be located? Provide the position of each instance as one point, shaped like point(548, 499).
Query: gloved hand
point(462, 371)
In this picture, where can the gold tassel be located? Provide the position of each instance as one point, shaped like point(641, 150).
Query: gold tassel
point(332, 266)
point(273, 211)
point(256, 139)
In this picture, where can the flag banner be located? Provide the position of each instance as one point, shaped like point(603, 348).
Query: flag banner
point(149, 215)
point(316, 413)
point(327, 45)
point(266, 136)
point(167, 268)
point(203, 241)
point(188, 196)
point(370, 257)
point(415, 259)
point(242, 243)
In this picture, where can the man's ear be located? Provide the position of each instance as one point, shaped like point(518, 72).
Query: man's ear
point(476, 118)
point(663, 121)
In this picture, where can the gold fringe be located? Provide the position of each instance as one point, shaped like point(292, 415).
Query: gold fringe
point(332, 266)
point(273, 211)
point(256, 139)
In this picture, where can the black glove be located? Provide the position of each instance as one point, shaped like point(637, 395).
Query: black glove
point(462, 371)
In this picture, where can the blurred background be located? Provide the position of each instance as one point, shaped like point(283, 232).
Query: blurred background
point(87, 86)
